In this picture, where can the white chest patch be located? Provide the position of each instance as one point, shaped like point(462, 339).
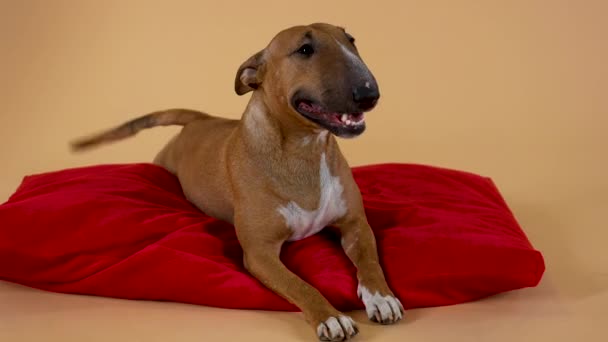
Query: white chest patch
point(332, 206)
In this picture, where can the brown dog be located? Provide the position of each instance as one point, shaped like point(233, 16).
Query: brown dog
point(277, 174)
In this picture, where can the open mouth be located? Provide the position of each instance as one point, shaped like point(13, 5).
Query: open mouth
point(341, 124)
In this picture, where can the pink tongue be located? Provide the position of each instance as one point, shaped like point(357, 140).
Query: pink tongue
point(313, 108)
point(355, 117)
point(310, 108)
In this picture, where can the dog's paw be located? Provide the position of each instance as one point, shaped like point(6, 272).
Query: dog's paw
point(381, 309)
point(340, 328)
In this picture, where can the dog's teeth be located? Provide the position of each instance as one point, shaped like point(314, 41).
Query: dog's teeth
point(344, 117)
point(348, 122)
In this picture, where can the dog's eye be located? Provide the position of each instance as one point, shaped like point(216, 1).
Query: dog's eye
point(350, 38)
point(306, 50)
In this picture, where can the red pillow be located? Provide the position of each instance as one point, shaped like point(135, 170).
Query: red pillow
point(127, 231)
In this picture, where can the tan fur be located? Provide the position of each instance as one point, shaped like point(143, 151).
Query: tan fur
point(241, 171)
point(161, 118)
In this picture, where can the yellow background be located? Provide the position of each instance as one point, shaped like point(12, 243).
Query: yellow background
point(514, 90)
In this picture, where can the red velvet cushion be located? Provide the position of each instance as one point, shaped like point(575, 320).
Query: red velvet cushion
point(126, 231)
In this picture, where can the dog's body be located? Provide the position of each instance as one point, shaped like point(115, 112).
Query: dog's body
point(278, 174)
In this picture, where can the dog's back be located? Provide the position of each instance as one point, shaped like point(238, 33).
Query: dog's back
point(197, 155)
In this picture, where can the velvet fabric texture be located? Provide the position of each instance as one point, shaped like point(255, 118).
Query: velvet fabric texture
point(127, 231)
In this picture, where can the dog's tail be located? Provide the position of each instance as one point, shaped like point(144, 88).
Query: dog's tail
point(180, 117)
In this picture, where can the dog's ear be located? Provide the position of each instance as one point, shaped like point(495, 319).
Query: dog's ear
point(250, 74)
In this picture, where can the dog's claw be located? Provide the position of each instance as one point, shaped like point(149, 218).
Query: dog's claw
point(339, 328)
point(377, 317)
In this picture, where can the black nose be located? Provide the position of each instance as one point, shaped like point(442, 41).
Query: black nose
point(366, 97)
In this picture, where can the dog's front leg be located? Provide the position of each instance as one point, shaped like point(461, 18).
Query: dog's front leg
point(261, 257)
point(359, 244)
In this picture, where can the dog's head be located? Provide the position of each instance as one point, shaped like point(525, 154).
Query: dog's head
point(315, 75)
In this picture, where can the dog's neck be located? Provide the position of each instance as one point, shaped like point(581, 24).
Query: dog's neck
point(281, 133)
point(303, 163)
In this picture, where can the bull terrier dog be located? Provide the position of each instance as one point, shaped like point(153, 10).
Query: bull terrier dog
point(277, 174)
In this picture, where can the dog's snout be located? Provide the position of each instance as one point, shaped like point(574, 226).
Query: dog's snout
point(366, 96)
